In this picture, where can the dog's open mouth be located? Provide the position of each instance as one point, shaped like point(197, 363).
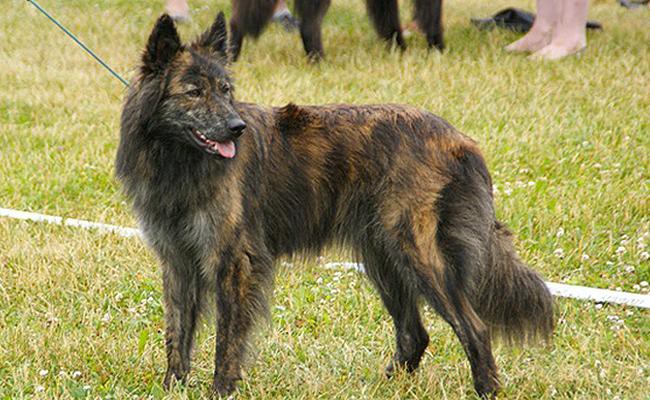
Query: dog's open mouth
point(225, 149)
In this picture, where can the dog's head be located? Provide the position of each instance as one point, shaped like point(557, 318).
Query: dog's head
point(184, 91)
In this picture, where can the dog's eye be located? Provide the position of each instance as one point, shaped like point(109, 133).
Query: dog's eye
point(225, 87)
point(194, 92)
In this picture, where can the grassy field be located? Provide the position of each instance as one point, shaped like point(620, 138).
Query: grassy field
point(568, 144)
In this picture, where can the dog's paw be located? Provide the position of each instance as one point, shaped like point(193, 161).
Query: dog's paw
point(173, 377)
point(398, 364)
point(223, 387)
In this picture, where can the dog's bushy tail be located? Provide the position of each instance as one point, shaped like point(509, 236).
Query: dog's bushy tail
point(512, 299)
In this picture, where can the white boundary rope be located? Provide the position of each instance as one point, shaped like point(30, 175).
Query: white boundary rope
point(557, 289)
point(79, 223)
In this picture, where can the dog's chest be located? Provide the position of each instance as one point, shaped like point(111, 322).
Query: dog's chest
point(190, 230)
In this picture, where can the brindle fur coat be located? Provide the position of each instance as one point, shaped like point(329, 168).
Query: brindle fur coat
point(222, 188)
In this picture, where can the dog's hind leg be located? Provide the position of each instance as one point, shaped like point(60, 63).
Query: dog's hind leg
point(385, 18)
point(243, 282)
point(428, 15)
point(249, 18)
point(439, 254)
point(311, 13)
point(401, 302)
point(182, 297)
point(442, 287)
point(449, 299)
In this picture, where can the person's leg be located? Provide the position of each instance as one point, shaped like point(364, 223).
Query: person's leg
point(569, 36)
point(540, 35)
point(178, 9)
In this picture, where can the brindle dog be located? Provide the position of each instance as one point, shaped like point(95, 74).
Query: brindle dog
point(222, 188)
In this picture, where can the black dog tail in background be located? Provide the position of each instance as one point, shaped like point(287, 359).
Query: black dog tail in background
point(516, 20)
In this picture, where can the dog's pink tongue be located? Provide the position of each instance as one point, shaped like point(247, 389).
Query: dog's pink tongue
point(226, 149)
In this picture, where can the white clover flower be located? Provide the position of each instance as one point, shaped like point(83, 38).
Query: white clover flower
point(43, 372)
point(76, 374)
point(507, 191)
point(629, 269)
point(643, 283)
point(636, 287)
point(531, 183)
point(644, 256)
point(620, 250)
point(40, 389)
point(559, 253)
point(106, 318)
point(560, 233)
point(585, 257)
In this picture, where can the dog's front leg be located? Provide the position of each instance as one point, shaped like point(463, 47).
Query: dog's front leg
point(242, 288)
point(182, 296)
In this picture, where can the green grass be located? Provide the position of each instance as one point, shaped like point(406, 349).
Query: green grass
point(567, 143)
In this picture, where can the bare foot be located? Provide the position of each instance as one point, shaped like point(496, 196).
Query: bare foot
point(178, 10)
point(557, 50)
point(531, 42)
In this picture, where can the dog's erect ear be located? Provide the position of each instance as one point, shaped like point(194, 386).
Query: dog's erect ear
point(215, 39)
point(162, 46)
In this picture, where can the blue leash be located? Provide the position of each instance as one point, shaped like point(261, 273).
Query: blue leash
point(83, 46)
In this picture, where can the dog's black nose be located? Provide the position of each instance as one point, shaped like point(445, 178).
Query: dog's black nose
point(236, 126)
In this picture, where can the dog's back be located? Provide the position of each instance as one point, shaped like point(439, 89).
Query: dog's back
point(333, 172)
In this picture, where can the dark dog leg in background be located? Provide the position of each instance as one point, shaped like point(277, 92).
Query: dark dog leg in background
point(311, 13)
point(182, 295)
point(385, 17)
point(428, 15)
point(401, 302)
point(249, 18)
